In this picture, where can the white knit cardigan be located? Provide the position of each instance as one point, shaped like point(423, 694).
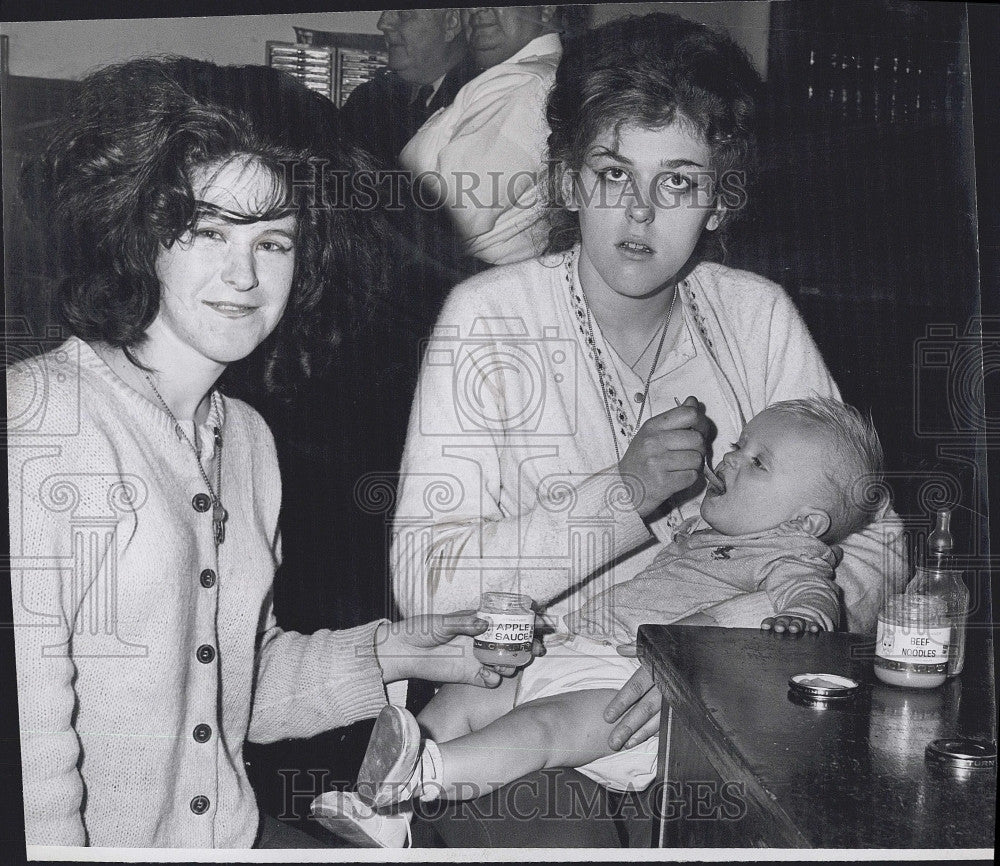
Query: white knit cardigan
point(509, 479)
point(145, 656)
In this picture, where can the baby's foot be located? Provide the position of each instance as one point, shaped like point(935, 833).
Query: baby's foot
point(343, 813)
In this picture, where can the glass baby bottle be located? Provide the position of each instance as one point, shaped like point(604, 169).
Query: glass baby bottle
point(921, 632)
point(937, 577)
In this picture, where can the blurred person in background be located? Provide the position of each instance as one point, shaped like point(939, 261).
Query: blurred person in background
point(488, 147)
point(428, 64)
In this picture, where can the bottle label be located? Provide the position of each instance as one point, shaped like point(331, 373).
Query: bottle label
point(510, 631)
point(921, 649)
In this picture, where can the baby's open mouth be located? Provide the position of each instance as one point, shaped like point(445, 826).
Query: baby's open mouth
point(715, 483)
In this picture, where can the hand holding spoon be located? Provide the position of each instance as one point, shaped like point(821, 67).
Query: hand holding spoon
point(709, 473)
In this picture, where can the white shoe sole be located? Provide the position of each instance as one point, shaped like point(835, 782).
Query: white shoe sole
point(393, 750)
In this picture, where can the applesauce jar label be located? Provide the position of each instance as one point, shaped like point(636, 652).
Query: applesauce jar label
point(506, 631)
point(912, 648)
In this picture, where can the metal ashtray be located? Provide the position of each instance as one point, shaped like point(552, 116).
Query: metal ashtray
point(821, 689)
point(959, 753)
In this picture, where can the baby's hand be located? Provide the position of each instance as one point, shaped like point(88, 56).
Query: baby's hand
point(792, 623)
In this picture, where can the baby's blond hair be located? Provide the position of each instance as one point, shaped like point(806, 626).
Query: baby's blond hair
point(857, 488)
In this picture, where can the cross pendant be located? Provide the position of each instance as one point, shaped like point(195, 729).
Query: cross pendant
point(219, 516)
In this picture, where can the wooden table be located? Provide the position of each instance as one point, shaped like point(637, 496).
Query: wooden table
point(742, 765)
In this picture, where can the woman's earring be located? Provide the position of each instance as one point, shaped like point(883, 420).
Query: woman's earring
point(715, 220)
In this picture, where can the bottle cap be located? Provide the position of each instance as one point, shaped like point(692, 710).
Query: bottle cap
point(960, 753)
point(822, 688)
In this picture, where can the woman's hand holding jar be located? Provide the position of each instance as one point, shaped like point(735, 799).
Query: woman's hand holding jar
point(434, 647)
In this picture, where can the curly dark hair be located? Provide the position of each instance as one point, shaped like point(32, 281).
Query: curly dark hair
point(114, 187)
point(648, 71)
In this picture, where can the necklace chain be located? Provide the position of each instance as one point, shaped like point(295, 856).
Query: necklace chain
point(219, 513)
point(645, 349)
point(656, 358)
point(602, 375)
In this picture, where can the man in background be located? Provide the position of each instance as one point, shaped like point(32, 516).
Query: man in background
point(488, 146)
point(497, 33)
point(428, 64)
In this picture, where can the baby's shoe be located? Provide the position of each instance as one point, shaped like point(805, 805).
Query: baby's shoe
point(391, 759)
point(344, 814)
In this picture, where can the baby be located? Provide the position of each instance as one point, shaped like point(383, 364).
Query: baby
point(792, 486)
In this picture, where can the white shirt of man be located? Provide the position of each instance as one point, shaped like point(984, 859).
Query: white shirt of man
point(488, 151)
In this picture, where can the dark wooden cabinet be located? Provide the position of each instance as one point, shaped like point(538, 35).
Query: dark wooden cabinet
point(743, 765)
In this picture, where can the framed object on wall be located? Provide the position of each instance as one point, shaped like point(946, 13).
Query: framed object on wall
point(314, 67)
point(330, 63)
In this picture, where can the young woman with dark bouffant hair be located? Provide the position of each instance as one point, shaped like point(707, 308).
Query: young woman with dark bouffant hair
point(144, 501)
point(115, 185)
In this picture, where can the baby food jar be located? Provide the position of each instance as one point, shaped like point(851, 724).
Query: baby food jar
point(507, 639)
point(912, 642)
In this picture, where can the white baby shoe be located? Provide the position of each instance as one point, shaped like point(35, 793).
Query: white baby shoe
point(343, 813)
point(395, 770)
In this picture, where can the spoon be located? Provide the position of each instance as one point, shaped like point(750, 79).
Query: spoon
point(712, 478)
point(707, 471)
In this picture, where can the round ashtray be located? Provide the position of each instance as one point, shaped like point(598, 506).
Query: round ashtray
point(823, 688)
point(960, 753)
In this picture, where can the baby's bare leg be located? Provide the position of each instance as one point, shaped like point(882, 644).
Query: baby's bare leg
point(565, 730)
point(457, 710)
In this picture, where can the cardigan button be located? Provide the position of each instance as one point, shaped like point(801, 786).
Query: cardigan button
point(207, 578)
point(205, 654)
point(202, 733)
point(200, 804)
point(201, 502)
